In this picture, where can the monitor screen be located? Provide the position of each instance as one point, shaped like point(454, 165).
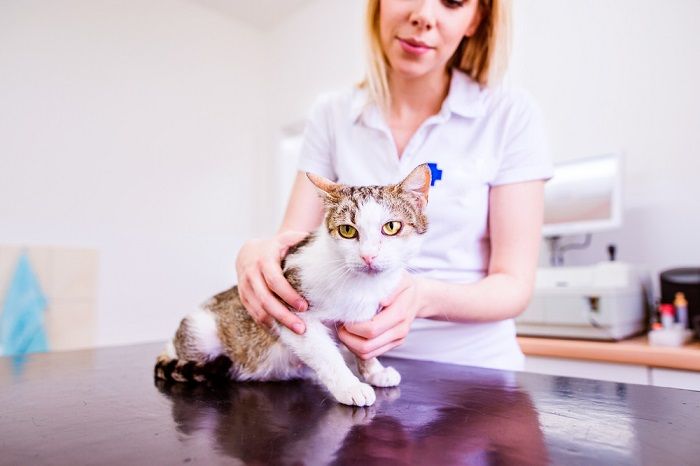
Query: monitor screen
point(584, 196)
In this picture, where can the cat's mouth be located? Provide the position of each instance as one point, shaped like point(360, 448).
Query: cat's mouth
point(370, 269)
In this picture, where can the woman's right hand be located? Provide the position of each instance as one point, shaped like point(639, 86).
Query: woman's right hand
point(261, 281)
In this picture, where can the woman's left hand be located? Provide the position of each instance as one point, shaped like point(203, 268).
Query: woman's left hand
point(389, 327)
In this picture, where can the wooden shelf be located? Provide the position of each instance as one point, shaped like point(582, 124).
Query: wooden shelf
point(632, 351)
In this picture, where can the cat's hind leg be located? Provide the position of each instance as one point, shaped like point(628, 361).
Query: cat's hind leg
point(376, 374)
point(195, 354)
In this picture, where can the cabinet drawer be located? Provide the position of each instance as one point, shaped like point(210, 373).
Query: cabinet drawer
point(675, 378)
point(613, 372)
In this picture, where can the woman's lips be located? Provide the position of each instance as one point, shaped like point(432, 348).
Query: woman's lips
point(413, 46)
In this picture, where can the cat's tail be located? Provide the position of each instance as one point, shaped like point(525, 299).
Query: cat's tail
point(170, 368)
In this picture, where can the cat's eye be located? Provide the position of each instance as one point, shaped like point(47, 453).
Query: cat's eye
point(391, 228)
point(347, 231)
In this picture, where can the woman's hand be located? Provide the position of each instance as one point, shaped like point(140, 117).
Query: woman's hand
point(390, 326)
point(261, 281)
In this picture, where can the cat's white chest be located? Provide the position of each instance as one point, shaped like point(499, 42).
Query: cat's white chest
point(356, 300)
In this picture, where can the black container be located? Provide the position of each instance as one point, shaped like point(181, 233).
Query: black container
point(687, 281)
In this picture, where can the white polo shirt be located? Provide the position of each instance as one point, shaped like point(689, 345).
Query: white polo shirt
point(480, 138)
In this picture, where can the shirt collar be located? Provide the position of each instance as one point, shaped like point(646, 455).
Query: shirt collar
point(359, 106)
point(464, 98)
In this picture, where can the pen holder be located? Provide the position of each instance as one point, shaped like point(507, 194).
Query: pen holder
point(670, 337)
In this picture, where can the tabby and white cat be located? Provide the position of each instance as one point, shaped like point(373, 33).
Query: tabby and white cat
point(343, 270)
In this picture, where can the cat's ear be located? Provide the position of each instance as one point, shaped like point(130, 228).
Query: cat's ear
point(325, 187)
point(418, 183)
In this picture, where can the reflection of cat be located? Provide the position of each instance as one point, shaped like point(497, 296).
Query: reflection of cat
point(344, 270)
point(474, 418)
point(252, 422)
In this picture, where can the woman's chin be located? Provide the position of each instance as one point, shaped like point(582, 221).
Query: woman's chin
point(412, 69)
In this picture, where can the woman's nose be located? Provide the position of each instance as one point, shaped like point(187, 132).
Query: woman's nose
point(423, 14)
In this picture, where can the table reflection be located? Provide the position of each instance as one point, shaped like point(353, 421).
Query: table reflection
point(443, 421)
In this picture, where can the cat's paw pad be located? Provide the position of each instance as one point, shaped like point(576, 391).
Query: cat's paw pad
point(356, 394)
point(387, 377)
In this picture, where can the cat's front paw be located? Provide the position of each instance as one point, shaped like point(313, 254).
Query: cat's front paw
point(355, 394)
point(387, 377)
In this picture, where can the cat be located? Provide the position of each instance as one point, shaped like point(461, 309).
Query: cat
point(354, 260)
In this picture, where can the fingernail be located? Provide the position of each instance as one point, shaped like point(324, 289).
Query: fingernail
point(301, 306)
point(298, 328)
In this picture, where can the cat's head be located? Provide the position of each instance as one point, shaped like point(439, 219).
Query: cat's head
point(376, 228)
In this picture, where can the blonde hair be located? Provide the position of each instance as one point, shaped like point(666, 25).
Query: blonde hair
point(483, 56)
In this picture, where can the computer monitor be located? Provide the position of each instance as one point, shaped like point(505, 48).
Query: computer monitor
point(584, 196)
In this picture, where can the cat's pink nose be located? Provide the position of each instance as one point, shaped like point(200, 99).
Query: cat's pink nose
point(368, 259)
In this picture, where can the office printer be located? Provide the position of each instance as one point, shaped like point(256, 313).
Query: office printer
point(605, 301)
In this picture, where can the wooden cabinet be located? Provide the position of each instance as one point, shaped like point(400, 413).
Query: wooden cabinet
point(628, 361)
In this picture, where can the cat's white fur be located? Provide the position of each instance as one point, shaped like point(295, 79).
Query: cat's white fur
point(336, 282)
point(203, 327)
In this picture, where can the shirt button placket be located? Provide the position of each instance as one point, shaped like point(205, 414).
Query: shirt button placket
point(407, 159)
point(392, 152)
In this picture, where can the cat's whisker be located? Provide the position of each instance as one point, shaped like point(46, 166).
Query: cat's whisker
point(407, 267)
point(338, 274)
point(338, 281)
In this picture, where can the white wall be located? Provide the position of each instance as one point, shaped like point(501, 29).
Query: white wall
point(317, 49)
point(135, 128)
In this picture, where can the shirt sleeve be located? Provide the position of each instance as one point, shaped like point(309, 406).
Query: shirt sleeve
point(525, 155)
point(316, 152)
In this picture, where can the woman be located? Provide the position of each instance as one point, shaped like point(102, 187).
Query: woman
point(431, 96)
